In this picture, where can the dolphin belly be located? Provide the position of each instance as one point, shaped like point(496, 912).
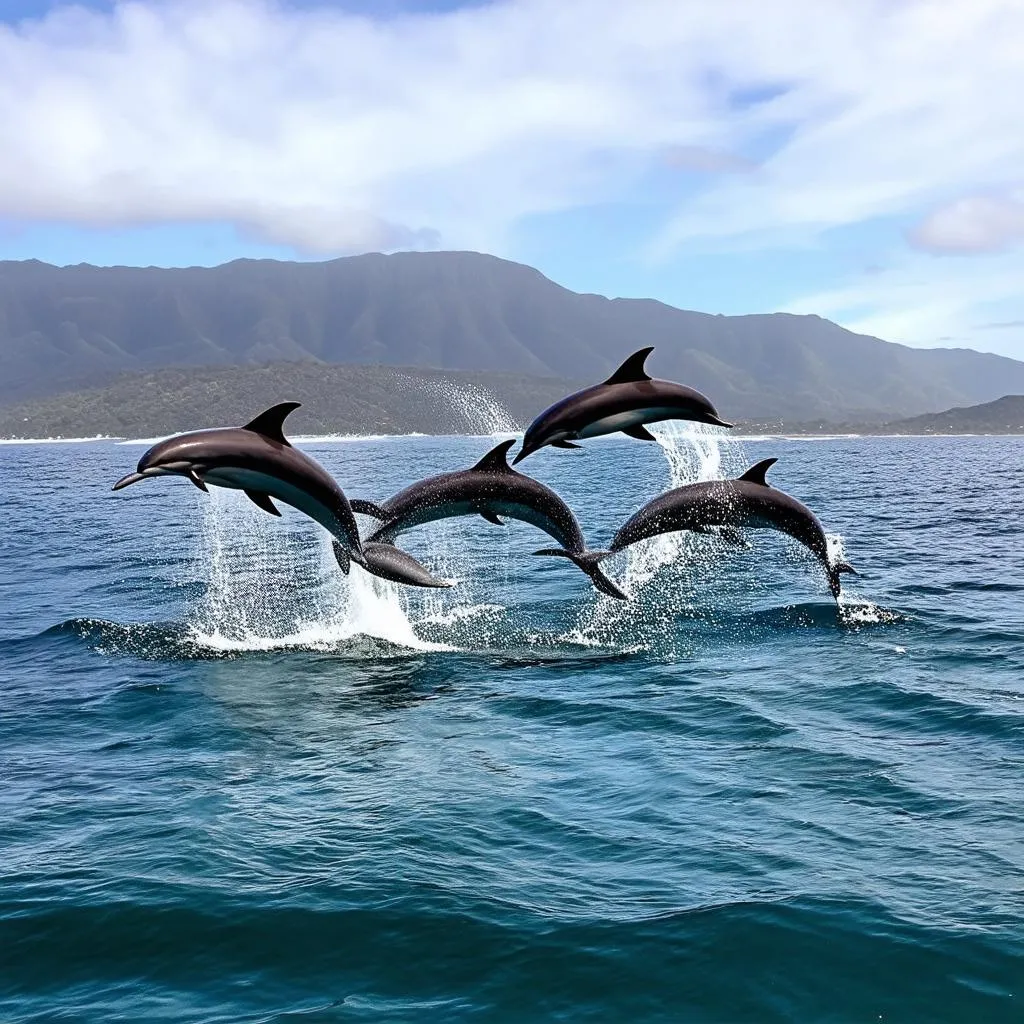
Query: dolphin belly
point(266, 483)
point(536, 517)
point(419, 515)
point(625, 420)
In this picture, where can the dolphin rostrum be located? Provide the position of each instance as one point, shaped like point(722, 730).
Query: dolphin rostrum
point(492, 488)
point(749, 501)
point(627, 400)
point(259, 460)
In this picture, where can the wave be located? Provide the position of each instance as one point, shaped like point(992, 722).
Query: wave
point(582, 962)
point(157, 641)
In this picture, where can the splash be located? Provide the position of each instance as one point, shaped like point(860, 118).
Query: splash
point(693, 453)
point(854, 608)
point(476, 410)
point(273, 583)
point(269, 584)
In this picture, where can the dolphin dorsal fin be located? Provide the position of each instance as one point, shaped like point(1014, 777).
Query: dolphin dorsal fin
point(755, 475)
point(632, 369)
point(496, 460)
point(270, 422)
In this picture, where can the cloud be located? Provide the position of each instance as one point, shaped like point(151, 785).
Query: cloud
point(335, 132)
point(320, 231)
point(891, 108)
point(972, 224)
point(1001, 325)
point(706, 161)
point(920, 301)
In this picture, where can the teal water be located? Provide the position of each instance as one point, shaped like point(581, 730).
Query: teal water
point(236, 787)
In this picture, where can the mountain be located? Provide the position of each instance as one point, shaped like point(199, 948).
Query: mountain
point(335, 400)
point(1003, 416)
point(379, 400)
point(63, 328)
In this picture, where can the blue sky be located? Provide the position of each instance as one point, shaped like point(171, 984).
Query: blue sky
point(859, 161)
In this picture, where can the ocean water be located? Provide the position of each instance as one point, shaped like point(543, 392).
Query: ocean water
point(235, 786)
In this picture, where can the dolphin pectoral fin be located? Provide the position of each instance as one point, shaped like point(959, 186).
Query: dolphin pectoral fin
point(755, 475)
point(846, 567)
point(264, 502)
point(564, 444)
point(496, 460)
point(490, 516)
point(194, 476)
point(341, 556)
point(640, 432)
point(589, 562)
point(632, 369)
point(270, 422)
point(368, 508)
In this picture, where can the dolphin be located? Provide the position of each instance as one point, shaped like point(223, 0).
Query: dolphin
point(627, 400)
point(259, 460)
point(491, 489)
point(749, 501)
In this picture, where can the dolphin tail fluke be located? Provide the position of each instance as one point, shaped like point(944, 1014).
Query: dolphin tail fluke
point(590, 563)
point(834, 573)
point(342, 556)
point(391, 563)
point(368, 508)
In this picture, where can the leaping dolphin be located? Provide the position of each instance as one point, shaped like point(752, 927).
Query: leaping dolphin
point(492, 488)
point(259, 460)
point(749, 501)
point(627, 400)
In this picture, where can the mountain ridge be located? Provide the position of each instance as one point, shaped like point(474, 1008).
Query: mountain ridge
point(1003, 416)
point(65, 328)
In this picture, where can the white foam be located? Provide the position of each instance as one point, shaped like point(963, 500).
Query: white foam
point(55, 440)
point(345, 438)
point(304, 438)
point(818, 437)
point(274, 583)
point(271, 584)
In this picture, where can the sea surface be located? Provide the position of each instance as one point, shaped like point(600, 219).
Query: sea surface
point(237, 786)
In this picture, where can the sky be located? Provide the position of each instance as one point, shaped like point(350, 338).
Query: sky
point(862, 160)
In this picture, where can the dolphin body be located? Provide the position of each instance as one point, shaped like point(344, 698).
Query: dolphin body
point(749, 501)
point(259, 460)
point(627, 400)
point(492, 488)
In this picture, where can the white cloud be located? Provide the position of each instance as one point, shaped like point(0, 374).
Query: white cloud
point(702, 160)
point(972, 224)
point(921, 301)
point(334, 133)
point(893, 108)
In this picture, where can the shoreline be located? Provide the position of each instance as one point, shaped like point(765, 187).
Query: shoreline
point(347, 438)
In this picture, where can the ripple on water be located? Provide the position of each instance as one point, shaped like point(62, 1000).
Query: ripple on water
point(239, 786)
